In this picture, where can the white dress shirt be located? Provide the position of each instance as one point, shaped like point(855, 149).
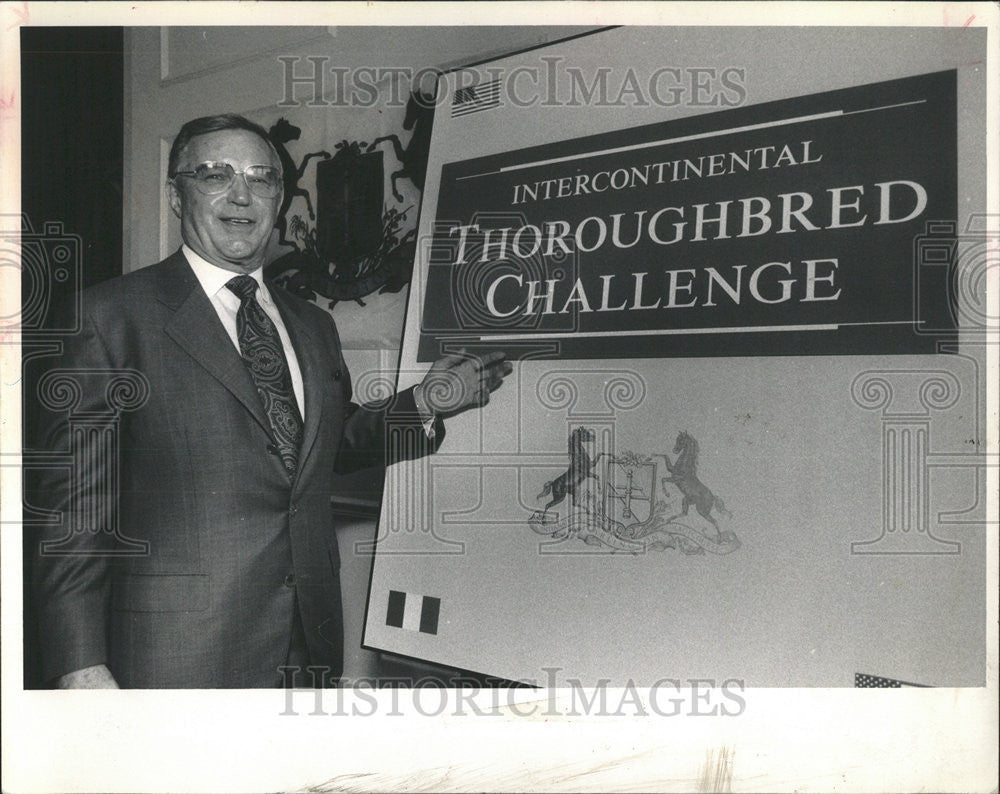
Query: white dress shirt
point(213, 280)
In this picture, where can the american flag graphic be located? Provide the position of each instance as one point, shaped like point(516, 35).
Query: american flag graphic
point(413, 612)
point(472, 99)
point(864, 680)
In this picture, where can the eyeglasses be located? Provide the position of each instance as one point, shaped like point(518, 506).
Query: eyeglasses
point(214, 178)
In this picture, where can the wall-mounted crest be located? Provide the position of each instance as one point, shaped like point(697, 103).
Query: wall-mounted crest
point(352, 243)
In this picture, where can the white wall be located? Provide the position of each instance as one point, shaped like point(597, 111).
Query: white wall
point(177, 74)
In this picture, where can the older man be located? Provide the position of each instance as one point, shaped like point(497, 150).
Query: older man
point(226, 468)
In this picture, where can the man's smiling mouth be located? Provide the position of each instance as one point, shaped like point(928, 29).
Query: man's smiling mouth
point(239, 221)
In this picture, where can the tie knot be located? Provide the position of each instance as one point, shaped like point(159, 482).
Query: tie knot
point(243, 287)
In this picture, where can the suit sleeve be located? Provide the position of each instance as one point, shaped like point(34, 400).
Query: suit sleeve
point(71, 552)
point(384, 433)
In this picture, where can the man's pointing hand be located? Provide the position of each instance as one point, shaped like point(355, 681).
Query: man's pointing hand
point(460, 381)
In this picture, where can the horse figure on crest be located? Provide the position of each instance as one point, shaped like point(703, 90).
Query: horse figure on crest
point(282, 132)
point(580, 468)
point(419, 118)
point(684, 474)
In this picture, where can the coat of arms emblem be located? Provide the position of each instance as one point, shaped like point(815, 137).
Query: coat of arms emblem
point(629, 488)
point(624, 504)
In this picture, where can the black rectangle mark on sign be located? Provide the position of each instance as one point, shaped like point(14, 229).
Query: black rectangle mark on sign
point(429, 615)
point(394, 613)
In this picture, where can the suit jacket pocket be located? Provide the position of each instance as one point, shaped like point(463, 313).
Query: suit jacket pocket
point(160, 593)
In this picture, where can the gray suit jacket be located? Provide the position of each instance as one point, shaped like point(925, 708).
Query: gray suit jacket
point(177, 562)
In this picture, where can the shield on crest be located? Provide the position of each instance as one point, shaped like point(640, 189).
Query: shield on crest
point(629, 487)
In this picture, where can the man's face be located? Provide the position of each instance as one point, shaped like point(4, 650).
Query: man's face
point(231, 229)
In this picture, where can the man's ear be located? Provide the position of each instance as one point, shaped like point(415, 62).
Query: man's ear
point(277, 206)
point(174, 197)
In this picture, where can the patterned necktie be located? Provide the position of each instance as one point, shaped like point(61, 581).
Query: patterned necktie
point(265, 359)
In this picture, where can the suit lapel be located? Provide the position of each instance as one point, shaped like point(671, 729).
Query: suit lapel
point(196, 327)
point(308, 347)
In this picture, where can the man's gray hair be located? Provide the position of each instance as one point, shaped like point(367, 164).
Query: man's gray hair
point(207, 124)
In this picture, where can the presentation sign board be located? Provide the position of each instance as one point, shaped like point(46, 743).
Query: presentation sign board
point(780, 228)
point(735, 442)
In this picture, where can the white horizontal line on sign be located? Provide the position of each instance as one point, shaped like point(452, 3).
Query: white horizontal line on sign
point(885, 107)
point(695, 137)
point(672, 331)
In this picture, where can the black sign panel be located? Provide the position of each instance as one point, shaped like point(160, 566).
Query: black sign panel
point(786, 228)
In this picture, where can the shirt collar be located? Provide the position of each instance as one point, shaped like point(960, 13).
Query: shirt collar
point(214, 278)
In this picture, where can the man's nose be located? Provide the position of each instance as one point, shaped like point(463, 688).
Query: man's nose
point(239, 190)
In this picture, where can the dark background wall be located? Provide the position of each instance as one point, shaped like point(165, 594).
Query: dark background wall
point(72, 139)
point(71, 175)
